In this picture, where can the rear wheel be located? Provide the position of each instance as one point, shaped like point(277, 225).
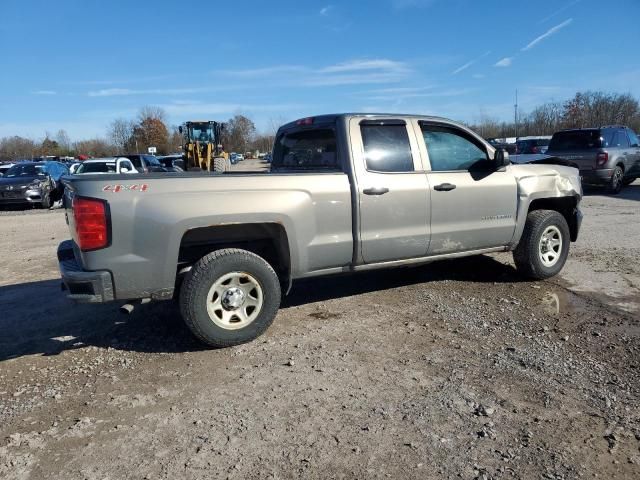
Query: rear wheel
point(230, 297)
point(617, 178)
point(544, 245)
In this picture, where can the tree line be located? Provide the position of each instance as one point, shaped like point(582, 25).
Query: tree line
point(126, 135)
point(585, 109)
point(150, 129)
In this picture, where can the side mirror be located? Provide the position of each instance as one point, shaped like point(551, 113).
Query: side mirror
point(501, 158)
point(180, 129)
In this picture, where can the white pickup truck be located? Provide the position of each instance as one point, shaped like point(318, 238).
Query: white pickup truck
point(345, 193)
point(119, 165)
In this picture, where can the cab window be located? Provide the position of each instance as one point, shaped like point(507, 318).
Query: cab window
point(452, 150)
point(386, 146)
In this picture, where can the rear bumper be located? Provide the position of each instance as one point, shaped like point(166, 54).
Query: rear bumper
point(83, 286)
point(597, 177)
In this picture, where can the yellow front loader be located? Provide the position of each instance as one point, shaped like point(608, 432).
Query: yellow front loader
point(202, 146)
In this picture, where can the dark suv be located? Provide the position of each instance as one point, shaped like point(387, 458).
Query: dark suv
point(145, 163)
point(607, 155)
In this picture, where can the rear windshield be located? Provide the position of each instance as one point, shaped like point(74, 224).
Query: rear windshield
point(576, 140)
point(97, 167)
point(306, 150)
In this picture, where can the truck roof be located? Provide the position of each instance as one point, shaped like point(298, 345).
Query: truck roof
point(332, 117)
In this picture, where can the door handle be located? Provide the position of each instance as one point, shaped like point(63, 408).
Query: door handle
point(375, 191)
point(444, 187)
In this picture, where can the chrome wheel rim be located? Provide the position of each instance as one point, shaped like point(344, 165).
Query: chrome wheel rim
point(617, 178)
point(234, 300)
point(550, 246)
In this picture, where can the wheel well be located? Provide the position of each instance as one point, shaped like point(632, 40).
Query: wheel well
point(268, 240)
point(563, 205)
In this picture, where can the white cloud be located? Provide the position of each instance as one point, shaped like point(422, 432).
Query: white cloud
point(44, 92)
point(469, 63)
point(324, 11)
point(547, 34)
point(559, 11)
point(352, 72)
point(199, 108)
point(119, 92)
point(505, 62)
point(478, 76)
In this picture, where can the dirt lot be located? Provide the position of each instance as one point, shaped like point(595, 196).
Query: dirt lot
point(454, 370)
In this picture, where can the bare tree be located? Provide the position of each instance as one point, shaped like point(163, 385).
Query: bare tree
point(17, 148)
point(239, 134)
point(120, 133)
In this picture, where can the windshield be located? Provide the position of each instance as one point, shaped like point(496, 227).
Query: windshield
point(29, 170)
point(203, 133)
point(97, 167)
point(576, 140)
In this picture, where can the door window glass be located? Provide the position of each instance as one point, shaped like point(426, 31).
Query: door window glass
point(620, 139)
point(633, 138)
point(386, 147)
point(450, 150)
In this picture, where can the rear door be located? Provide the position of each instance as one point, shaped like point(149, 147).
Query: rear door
point(473, 205)
point(392, 190)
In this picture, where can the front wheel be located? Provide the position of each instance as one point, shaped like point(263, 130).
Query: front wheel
point(544, 245)
point(230, 297)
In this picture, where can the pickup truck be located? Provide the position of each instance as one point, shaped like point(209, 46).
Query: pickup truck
point(345, 193)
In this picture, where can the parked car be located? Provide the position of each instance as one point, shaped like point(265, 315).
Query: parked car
point(144, 163)
point(173, 163)
point(35, 183)
point(346, 193)
point(120, 165)
point(532, 145)
point(4, 167)
point(73, 167)
point(608, 156)
point(267, 157)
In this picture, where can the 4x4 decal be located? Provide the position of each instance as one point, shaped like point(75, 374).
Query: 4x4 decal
point(136, 187)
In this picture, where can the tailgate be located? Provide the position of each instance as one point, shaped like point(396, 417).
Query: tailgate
point(584, 159)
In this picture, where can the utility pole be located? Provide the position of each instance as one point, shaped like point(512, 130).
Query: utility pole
point(515, 114)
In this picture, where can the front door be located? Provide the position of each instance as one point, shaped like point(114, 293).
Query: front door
point(473, 205)
point(393, 193)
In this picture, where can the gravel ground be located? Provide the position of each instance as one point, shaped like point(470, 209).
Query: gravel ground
point(458, 369)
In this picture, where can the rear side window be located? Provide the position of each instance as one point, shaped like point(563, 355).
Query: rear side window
point(151, 160)
point(314, 149)
point(136, 161)
point(451, 150)
point(620, 139)
point(386, 147)
point(633, 138)
point(576, 140)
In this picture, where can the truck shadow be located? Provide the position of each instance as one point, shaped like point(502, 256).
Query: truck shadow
point(630, 192)
point(37, 319)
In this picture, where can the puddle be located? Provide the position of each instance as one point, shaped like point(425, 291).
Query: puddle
point(561, 301)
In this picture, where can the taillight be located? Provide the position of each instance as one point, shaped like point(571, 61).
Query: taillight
point(92, 224)
point(603, 157)
point(305, 121)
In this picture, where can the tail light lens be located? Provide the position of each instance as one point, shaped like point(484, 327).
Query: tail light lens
point(92, 223)
point(603, 157)
point(305, 121)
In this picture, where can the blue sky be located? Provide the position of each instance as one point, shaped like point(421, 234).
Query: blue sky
point(78, 65)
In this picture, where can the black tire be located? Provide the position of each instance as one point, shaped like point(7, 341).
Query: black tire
point(201, 278)
point(616, 182)
point(628, 181)
point(46, 201)
point(527, 255)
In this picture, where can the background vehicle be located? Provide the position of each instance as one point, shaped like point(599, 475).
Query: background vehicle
point(346, 193)
point(106, 165)
point(607, 155)
point(532, 145)
point(36, 183)
point(202, 146)
point(267, 158)
point(144, 163)
point(173, 163)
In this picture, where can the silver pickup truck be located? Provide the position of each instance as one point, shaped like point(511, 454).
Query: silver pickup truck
point(345, 193)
